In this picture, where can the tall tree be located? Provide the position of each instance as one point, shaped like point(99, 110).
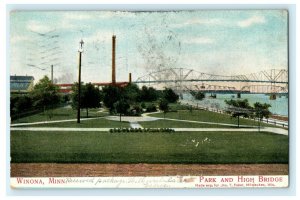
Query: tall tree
point(261, 111)
point(239, 108)
point(90, 97)
point(111, 94)
point(170, 95)
point(131, 93)
point(163, 105)
point(122, 107)
point(148, 94)
point(44, 93)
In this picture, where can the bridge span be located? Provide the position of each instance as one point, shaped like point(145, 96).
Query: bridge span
point(267, 81)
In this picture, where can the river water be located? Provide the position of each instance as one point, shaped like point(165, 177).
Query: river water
point(279, 106)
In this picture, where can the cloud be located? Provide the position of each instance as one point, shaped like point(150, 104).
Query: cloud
point(37, 26)
point(251, 21)
point(190, 22)
point(203, 21)
point(40, 27)
point(199, 40)
point(77, 16)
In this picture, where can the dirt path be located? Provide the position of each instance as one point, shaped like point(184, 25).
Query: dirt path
point(90, 170)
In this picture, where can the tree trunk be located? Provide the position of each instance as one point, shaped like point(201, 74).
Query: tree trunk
point(120, 117)
point(87, 112)
point(238, 121)
point(45, 112)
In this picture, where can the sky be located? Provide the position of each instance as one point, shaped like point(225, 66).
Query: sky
point(224, 42)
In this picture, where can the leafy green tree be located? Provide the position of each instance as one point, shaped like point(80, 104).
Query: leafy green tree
point(151, 108)
point(90, 97)
point(131, 93)
point(164, 106)
point(136, 110)
point(19, 104)
point(111, 94)
point(45, 94)
point(143, 105)
point(148, 94)
point(170, 95)
point(261, 111)
point(239, 108)
point(121, 107)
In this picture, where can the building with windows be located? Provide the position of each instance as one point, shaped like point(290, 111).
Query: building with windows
point(21, 84)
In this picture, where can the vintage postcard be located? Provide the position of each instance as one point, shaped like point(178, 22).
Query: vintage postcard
point(166, 99)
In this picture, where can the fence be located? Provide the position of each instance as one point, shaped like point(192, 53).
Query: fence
point(265, 120)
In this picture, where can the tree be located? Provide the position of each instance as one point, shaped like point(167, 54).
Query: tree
point(261, 111)
point(20, 103)
point(163, 105)
point(131, 93)
point(239, 108)
point(148, 94)
point(89, 98)
point(121, 107)
point(199, 95)
point(45, 93)
point(111, 94)
point(151, 108)
point(170, 95)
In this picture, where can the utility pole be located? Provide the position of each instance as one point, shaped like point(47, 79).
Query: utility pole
point(79, 79)
point(113, 79)
point(52, 74)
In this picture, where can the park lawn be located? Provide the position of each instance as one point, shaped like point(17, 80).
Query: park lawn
point(100, 122)
point(172, 106)
point(178, 106)
point(178, 147)
point(61, 113)
point(105, 123)
point(164, 123)
point(207, 116)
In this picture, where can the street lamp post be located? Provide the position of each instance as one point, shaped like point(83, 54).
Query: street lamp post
point(79, 79)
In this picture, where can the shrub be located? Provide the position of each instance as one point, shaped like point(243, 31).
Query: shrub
point(151, 108)
point(141, 130)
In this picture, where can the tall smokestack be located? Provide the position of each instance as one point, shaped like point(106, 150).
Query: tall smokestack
point(129, 78)
point(113, 79)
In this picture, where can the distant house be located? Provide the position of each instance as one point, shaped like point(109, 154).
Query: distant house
point(21, 84)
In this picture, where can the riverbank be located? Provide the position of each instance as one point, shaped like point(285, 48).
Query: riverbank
point(277, 120)
point(281, 118)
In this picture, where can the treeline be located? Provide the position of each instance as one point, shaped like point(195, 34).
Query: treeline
point(128, 100)
point(242, 108)
point(43, 97)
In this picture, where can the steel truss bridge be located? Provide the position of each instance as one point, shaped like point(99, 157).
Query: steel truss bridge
point(180, 79)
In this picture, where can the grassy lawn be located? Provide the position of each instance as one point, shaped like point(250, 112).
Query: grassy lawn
point(91, 123)
point(178, 124)
point(105, 123)
point(179, 147)
point(58, 114)
point(207, 116)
